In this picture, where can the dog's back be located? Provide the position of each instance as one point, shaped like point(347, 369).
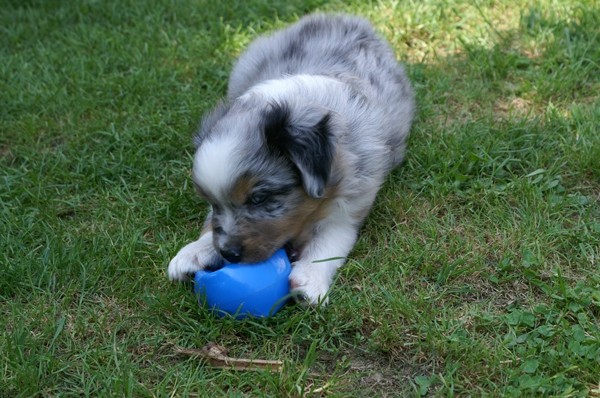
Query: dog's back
point(344, 47)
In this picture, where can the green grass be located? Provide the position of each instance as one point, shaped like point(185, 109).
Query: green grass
point(477, 273)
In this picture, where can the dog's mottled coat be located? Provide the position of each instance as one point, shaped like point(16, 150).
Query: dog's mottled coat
point(315, 117)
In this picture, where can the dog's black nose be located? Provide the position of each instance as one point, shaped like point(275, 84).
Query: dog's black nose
point(232, 254)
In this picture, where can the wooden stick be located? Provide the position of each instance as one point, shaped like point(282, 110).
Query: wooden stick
point(216, 356)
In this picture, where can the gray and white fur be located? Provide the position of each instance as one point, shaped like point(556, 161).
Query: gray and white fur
point(316, 116)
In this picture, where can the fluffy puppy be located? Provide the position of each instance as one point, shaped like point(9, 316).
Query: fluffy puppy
point(315, 117)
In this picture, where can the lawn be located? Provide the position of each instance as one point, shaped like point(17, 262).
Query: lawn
point(477, 273)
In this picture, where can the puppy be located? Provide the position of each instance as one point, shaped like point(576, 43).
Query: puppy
point(316, 116)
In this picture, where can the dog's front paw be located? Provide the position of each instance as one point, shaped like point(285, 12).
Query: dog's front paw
point(310, 284)
point(184, 264)
point(191, 258)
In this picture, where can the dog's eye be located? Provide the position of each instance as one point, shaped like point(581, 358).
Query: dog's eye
point(258, 198)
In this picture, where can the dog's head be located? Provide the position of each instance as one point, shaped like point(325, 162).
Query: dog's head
point(265, 169)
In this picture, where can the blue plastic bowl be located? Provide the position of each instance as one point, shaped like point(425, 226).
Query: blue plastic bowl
point(241, 290)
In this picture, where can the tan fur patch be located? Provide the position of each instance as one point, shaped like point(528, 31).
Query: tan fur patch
point(242, 189)
point(262, 238)
point(206, 229)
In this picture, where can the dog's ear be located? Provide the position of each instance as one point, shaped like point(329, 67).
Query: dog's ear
point(304, 137)
point(208, 122)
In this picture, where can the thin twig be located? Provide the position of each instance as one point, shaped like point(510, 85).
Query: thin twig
point(216, 356)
